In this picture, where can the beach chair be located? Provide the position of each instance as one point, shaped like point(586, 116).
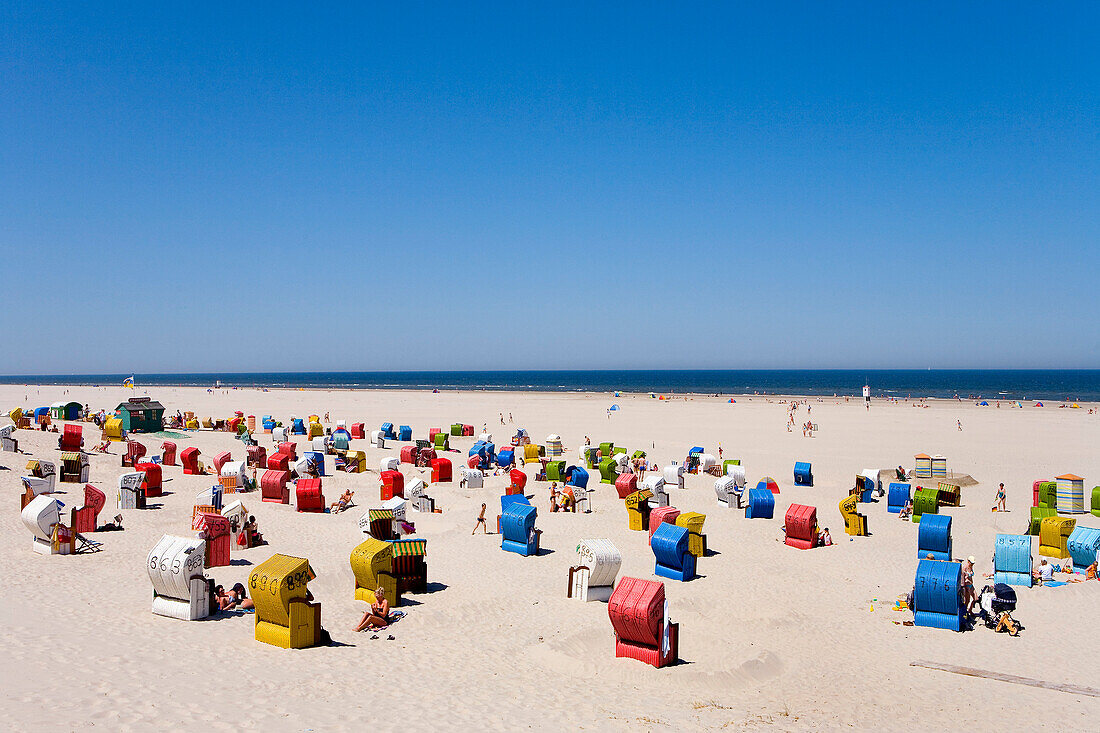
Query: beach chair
point(1012, 560)
point(393, 485)
point(608, 470)
point(129, 494)
point(85, 518)
point(441, 470)
point(256, 457)
point(761, 504)
point(626, 484)
point(517, 529)
point(180, 588)
point(803, 474)
point(71, 439)
point(655, 484)
point(925, 501)
point(42, 478)
point(168, 453)
point(672, 557)
point(409, 566)
point(897, 497)
point(800, 523)
point(273, 486)
point(473, 478)
point(693, 522)
point(308, 495)
point(728, 491)
point(1054, 534)
point(1083, 547)
point(216, 530)
point(74, 468)
point(949, 494)
point(638, 509)
point(934, 537)
point(358, 431)
point(284, 618)
point(593, 579)
point(189, 458)
point(674, 476)
point(855, 524)
point(42, 518)
point(151, 479)
point(7, 439)
point(372, 566)
point(660, 515)
point(1095, 501)
point(639, 617)
point(937, 602)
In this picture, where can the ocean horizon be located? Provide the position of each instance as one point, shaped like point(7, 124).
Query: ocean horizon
point(1004, 384)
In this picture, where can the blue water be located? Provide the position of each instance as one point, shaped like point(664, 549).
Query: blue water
point(1006, 384)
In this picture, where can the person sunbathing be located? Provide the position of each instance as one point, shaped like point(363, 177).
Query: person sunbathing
point(225, 602)
point(343, 503)
point(240, 598)
point(378, 617)
point(907, 510)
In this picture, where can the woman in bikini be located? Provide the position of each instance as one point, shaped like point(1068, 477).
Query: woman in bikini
point(378, 617)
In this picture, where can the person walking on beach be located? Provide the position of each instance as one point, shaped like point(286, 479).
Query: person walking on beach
point(960, 424)
point(1000, 499)
point(502, 418)
point(481, 522)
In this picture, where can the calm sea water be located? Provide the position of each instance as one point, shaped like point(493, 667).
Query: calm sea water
point(1020, 384)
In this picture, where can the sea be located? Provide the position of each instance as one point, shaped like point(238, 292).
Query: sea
point(999, 384)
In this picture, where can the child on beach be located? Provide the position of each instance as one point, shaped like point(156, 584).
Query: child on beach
point(481, 522)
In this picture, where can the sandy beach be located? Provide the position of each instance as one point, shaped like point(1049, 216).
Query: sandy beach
point(770, 637)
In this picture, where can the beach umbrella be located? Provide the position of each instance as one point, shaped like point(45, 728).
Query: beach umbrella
point(614, 407)
point(983, 403)
point(1038, 404)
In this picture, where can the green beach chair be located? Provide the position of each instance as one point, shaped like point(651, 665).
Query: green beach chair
point(555, 471)
point(926, 501)
point(1038, 514)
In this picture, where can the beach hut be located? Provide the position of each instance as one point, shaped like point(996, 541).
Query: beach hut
point(800, 524)
point(141, 415)
point(768, 484)
point(372, 566)
point(1083, 547)
point(1071, 494)
point(922, 466)
point(639, 617)
point(637, 510)
point(66, 410)
point(803, 475)
point(284, 618)
point(1012, 560)
point(939, 466)
point(594, 578)
point(517, 528)
point(180, 588)
point(553, 446)
point(937, 602)
point(761, 504)
point(1054, 535)
point(855, 524)
point(934, 537)
point(672, 558)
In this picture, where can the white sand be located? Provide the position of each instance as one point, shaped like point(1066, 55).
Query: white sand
point(770, 636)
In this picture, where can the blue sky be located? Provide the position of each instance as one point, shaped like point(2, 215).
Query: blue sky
point(422, 186)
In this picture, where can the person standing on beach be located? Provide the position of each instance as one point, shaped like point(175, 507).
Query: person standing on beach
point(1001, 499)
point(481, 522)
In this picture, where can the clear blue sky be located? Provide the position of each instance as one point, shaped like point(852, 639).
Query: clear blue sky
point(636, 185)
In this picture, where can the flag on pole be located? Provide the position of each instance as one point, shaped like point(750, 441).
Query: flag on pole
point(128, 382)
